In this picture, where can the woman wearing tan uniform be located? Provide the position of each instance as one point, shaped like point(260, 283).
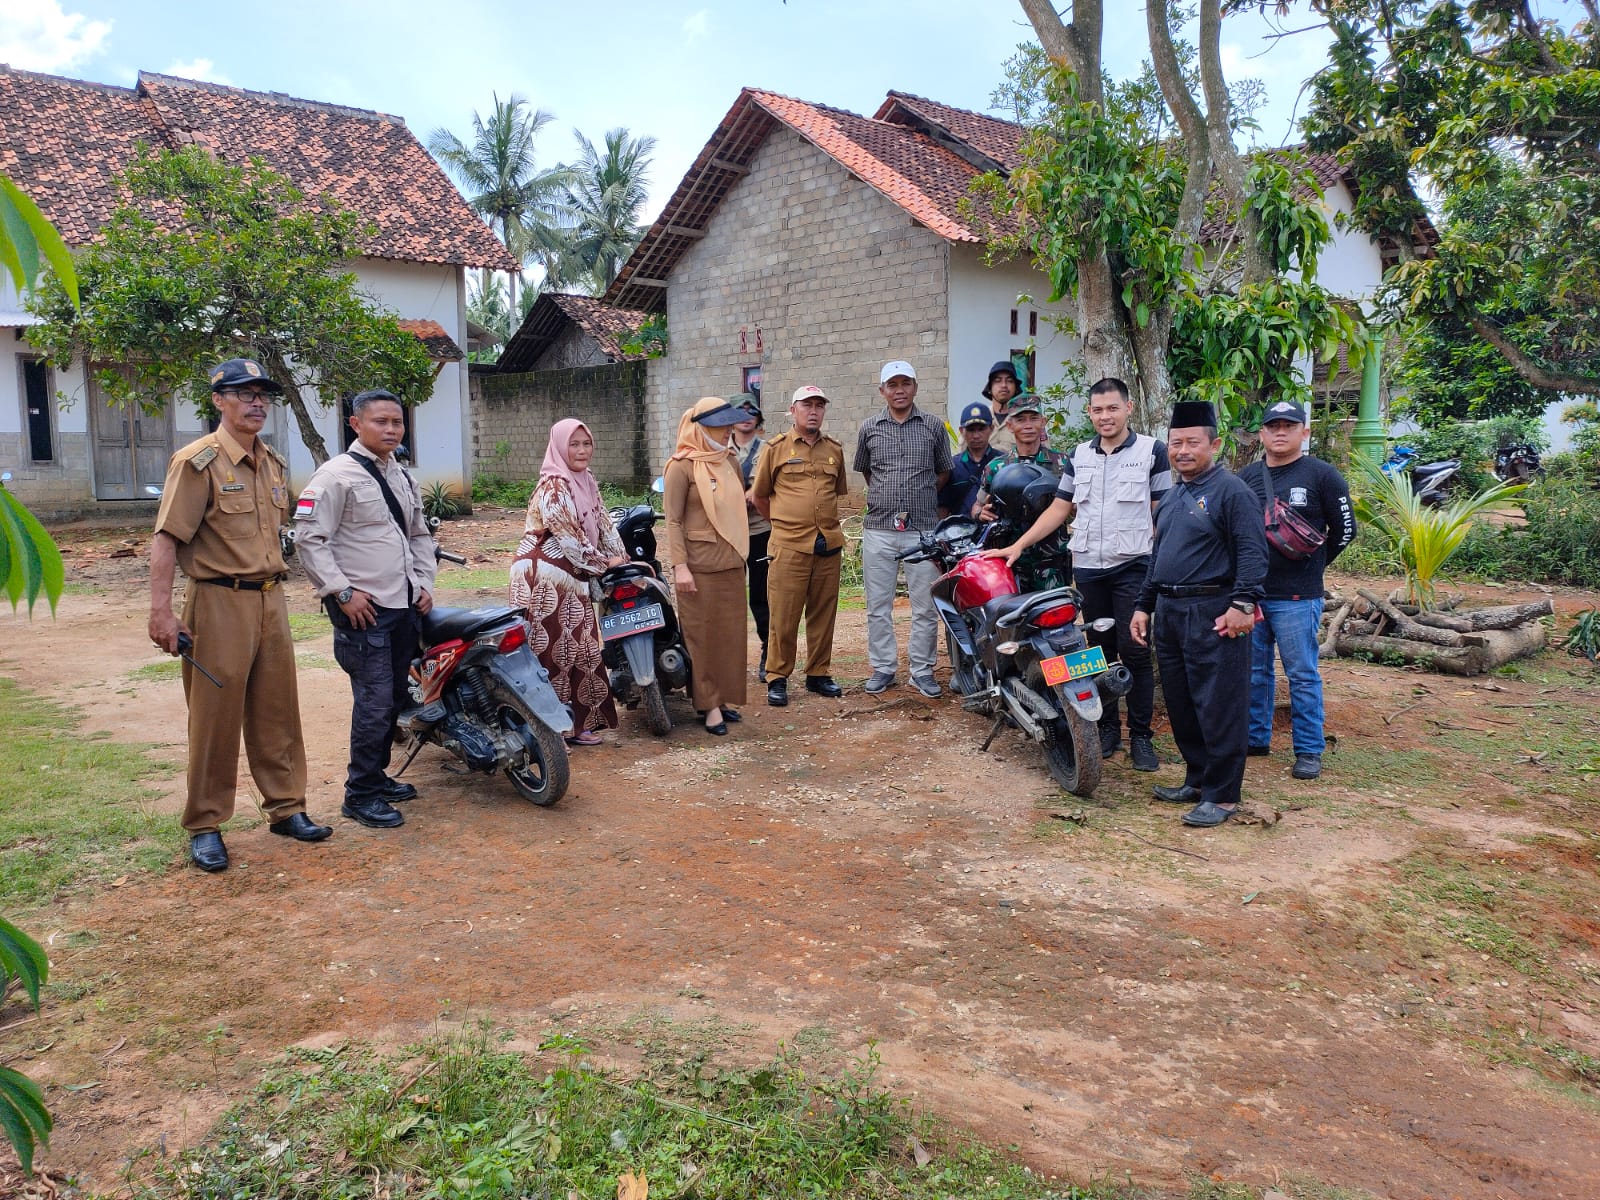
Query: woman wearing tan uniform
point(708, 540)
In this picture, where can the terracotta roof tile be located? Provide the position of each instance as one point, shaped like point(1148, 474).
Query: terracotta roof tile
point(997, 140)
point(435, 338)
point(62, 140)
point(552, 312)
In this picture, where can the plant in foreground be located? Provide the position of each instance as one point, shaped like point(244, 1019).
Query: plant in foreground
point(22, 1111)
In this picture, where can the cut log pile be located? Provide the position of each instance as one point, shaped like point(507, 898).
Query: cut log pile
point(1448, 640)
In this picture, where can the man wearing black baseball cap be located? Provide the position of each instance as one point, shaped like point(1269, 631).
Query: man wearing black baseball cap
point(977, 426)
point(224, 500)
point(1003, 384)
point(1291, 606)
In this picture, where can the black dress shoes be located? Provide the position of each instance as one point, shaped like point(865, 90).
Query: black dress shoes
point(1110, 740)
point(375, 813)
point(301, 828)
point(778, 693)
point(207, 852)
point(823, 685)
point(395, 791)
point(1176, 795)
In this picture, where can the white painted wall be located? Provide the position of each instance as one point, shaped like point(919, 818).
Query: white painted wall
point(1351, 265)
point(981, 300)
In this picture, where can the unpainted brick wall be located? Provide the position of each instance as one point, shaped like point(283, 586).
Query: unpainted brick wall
point(56, 490)
point(839, 279)
point(515, 413)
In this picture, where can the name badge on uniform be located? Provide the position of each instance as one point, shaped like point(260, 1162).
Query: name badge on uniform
point(233, 487)
point(796, 461)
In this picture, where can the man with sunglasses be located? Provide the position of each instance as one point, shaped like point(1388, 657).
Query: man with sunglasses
point(225, 498)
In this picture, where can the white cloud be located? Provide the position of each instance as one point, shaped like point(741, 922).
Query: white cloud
point(197, 68)
point(696, 24)
point(36, 35)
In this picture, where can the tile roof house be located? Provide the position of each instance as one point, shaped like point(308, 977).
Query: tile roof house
point(808, 245)
point(563, 331)
point(64, 140)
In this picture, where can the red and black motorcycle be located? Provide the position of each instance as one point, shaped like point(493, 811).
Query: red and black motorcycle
point(484, 696)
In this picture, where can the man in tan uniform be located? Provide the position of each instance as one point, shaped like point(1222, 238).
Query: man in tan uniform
point(797, 484)
point(374, 571)
point(225, 498)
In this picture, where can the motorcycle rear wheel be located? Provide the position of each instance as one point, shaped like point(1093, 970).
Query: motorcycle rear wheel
point(1071, 746)
point(544, 779)
point(654, 704)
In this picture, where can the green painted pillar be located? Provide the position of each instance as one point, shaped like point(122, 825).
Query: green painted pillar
point(1368, 437)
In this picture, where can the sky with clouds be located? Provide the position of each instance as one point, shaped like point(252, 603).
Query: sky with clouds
point(658, 67)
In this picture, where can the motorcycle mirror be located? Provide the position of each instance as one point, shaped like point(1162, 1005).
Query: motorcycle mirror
point(659, 485)
point(1103, 624)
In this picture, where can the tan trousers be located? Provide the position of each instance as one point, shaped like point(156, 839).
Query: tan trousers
point(243, 639)
point(801, 585)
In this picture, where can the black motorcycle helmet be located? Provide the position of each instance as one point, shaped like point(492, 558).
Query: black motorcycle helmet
point(1023, 490)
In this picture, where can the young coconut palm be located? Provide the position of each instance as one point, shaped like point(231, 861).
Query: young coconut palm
point(1422, 538)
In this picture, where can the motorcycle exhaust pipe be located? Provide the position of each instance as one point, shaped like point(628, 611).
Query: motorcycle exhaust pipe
point(1115, 681)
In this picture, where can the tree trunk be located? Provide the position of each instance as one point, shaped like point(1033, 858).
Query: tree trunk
point(1474, 620)
point(284, 378)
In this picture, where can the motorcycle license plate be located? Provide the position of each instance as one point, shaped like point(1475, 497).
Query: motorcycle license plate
point(1076, 665)
point(627, 621)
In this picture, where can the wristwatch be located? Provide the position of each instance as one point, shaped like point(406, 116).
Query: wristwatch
point(1247, 607)
point(344, 596)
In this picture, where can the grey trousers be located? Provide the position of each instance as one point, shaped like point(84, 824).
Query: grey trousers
point(879, 574)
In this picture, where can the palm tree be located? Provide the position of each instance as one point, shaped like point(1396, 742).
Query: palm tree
point(604, 200)
point(500, 172)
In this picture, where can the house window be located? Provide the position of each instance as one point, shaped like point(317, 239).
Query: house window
point(1022, 362)
point(38, 409)
point(1013, 320)
point(750, 379)
point(1033, 324)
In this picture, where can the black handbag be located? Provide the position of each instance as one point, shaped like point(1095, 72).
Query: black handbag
point(1290, 534)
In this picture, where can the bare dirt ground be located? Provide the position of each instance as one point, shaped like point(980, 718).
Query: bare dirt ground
point(1113, 995)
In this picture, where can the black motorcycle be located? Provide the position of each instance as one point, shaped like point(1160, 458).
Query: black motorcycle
point(1517, 464)
point(644, 652)
point(1021, 658)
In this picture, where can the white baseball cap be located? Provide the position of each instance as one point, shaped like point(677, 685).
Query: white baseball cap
point(809, 392)
point(897, 367)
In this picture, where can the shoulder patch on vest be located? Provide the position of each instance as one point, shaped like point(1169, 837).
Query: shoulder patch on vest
point(202, 460)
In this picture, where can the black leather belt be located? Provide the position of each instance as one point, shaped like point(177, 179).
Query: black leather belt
point(245, 585)
point(1179, 591)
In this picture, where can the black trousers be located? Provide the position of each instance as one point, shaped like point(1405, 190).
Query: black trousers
point(757, 566)
point(1206, 681)
point(378, 661)
point(1115, 594)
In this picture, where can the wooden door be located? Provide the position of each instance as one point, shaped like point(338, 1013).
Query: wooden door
point(131, 447)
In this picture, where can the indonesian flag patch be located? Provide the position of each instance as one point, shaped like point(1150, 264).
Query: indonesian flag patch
point(306, 507)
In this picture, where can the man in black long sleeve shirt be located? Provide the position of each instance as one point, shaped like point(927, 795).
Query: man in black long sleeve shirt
point(1292, 605)
point(1205, 579)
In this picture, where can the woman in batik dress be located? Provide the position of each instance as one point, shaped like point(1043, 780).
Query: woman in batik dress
point(567, 541)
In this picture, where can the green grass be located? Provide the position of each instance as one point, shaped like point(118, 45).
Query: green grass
point(167, 668)
point(462, 579)
point(461, 1116)
point(75, 812)
point(305, 626)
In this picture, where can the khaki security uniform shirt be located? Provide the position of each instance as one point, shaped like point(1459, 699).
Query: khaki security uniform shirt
point(804, 481)
point(223, 504)
point(347, 537)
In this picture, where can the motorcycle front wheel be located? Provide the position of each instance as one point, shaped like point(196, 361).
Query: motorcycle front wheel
point(543, 779)
point(963, 678)
point(654, 704)
point(1071, 746)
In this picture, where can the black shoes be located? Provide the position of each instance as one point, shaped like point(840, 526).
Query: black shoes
point(1207, 815)
point(207, 852)
point(778, 693)
point(1307, 766)
point(823, 685)
point(1176, 795)
point(395, 791)
point(375, 813)
point(1110, 740)
point(1142, 753)
point(301, 828)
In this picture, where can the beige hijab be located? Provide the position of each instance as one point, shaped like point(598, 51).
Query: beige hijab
point(716, 476)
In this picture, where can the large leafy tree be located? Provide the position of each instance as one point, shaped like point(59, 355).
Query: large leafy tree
point(499, 171)
point(605, 198)
point(1113, 200)
point(1494, 109)
point(203, 261)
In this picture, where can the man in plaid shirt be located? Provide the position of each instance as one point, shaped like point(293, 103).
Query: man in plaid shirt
point(905, 457)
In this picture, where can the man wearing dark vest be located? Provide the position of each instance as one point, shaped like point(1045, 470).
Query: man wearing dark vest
point(1206, 571)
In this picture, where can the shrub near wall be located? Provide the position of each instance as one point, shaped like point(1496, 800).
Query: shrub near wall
point(1560, 543)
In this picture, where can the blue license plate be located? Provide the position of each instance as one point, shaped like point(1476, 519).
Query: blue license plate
point(625, 622)
point(1077, 665)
